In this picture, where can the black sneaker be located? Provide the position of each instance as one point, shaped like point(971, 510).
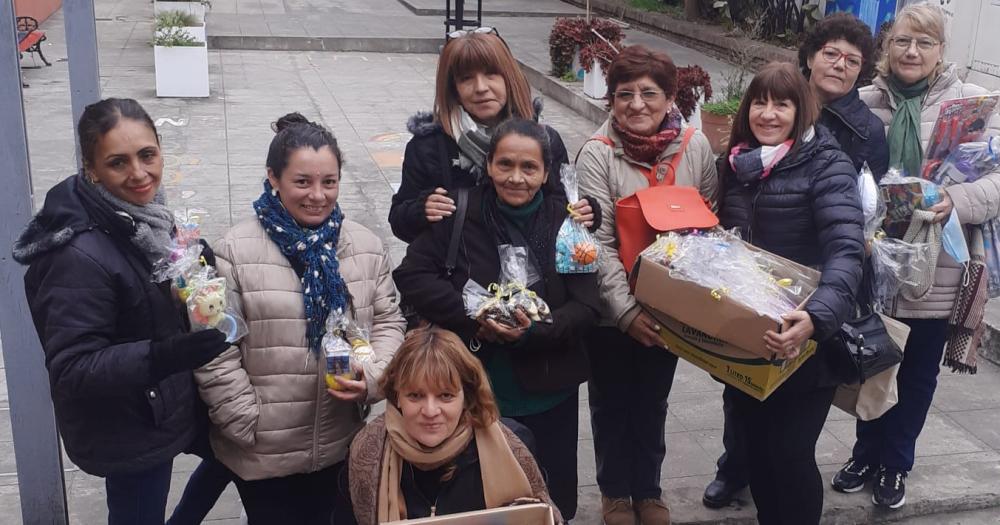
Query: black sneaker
point(890, 488)
point(852, 476)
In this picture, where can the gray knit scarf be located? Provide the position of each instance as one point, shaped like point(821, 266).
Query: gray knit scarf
point(473, 142)
point(154, 222)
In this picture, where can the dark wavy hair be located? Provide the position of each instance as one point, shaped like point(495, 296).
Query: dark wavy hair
point(102, 116)
point(294, 131)
point(840, 26)
point(524, 128)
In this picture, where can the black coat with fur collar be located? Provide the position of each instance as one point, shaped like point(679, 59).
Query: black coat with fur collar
point(96, 312)
point(430, 162)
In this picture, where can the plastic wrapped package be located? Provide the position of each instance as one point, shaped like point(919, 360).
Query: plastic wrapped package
point(360, 339)
point(872, 203)
point(896, 264)
point(719, 261)
point(482, 304)
point(336, 350)
point(902, 195)
point(209, 305)
point(969, 161)
point(576, 249)
point(500, 301)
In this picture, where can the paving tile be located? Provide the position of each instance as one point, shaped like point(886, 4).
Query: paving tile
point(983, 424)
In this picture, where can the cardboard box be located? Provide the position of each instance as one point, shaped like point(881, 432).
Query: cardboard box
point(530, 514)
point(722, 317)
point(754, 375)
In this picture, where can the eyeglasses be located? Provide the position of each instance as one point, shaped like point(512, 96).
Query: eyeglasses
point(465, 32)
point(647, 95)
point(904, 42)
point(832, 55)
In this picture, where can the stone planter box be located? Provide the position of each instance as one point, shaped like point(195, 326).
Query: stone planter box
point(181, 71)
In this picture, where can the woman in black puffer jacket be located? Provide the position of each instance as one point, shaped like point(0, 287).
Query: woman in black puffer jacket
point(791, 191)
point(117, 346)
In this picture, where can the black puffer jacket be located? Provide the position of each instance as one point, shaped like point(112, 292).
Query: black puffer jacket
point(96, 313)
point(424, 169)
point(808, 210)
point(859, 132)
point(552, 356)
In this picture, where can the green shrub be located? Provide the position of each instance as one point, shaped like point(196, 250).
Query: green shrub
point(174, 37)
point(175, 19)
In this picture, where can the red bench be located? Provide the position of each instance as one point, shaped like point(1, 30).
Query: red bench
point(29, 37)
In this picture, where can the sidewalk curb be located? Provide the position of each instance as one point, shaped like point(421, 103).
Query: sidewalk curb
point(989, 348)
point(710, 39)
point(420, 11)
point(342, 44)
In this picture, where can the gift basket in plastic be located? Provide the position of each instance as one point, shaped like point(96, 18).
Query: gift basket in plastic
point(719, 261)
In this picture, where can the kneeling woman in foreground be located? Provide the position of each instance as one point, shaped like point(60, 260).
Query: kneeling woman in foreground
point(440, 447)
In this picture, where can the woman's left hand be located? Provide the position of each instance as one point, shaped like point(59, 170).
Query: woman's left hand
point(942, 210)
point(788, 343)
point(351, 389)
point(494, 332)
point(584, 214)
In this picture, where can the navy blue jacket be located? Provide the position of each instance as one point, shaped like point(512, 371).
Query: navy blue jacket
point(808, 210)
point(859, 132)
point(429, 162)
point(96, 312)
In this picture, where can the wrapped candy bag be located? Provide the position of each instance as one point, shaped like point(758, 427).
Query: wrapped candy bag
point(360, 339)
point(576, 248)
point(482, 304)
point(517, 274)
point(902, 195)
point(871, 202)
point(719, 261)
point(209, 305)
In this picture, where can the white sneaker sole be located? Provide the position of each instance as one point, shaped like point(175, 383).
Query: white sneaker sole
point(845, 490)
point(896, 506)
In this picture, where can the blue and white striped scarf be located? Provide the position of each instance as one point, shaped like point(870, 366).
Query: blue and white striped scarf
point(315, 249)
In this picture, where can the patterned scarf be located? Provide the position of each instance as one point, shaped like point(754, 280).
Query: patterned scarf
point(752, 164)
point(315, 250)
point(646, 148)
point(473, 142)
point(149, 227)
point(905, 150)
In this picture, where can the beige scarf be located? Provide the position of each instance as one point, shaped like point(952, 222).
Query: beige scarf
point(506, 483)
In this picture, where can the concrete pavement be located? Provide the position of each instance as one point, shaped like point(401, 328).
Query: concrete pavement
point(215, 149)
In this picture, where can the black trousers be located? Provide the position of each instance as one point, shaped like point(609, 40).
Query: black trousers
point(310, 499)
point(781, 435)
point(556, 437)
point(629, 385)
point(733, 464)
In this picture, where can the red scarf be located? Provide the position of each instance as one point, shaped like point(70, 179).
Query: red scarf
point(646, 148)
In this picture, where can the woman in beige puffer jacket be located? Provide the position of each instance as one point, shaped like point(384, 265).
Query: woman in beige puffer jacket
point(912, 67)
point(274, 422)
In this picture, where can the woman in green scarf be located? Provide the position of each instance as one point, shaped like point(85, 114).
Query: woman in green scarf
point(907, 94)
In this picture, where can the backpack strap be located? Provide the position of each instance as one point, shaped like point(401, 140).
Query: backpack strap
point(599, 138)
point(461, 206)
point(650, 173)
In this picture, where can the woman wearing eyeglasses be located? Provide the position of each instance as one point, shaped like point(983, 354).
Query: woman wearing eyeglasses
point(478, 86)
point(837, 53)
point(912, 82)
point(631, 372)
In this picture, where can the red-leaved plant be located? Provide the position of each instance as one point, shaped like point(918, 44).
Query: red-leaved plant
point(569, 34)
point(692, 83)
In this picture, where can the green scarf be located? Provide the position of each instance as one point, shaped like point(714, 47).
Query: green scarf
point(905, 150)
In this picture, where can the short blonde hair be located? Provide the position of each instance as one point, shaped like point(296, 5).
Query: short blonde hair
point(435, 357)
point(924, 18)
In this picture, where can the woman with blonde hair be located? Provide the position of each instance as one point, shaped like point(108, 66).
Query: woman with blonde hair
point(913, 81)
point(440, 447)
point(478, 86)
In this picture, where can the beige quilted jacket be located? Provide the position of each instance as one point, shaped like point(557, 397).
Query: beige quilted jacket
point(976, 202)
point(271, 415)
point(607, 174)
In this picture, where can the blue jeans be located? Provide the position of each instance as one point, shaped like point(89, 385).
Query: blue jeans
point(890, 440)
point(139, 498)
point(202, 491)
